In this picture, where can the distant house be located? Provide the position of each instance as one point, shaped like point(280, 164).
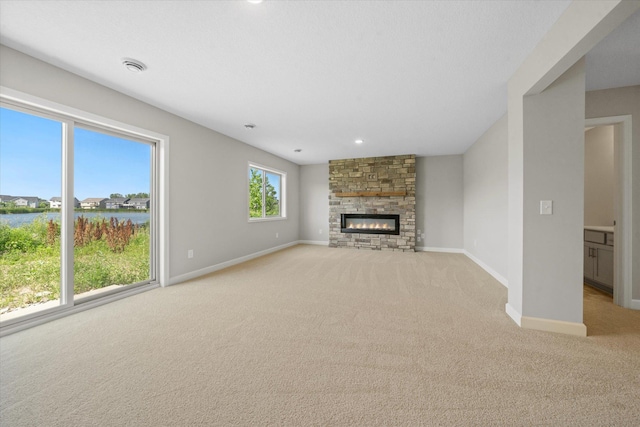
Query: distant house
point(93, 203)
point(56, 203)
point(116, 203)
point(21, 201)
point(142, 203)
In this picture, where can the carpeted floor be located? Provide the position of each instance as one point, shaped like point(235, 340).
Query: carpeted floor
point(318, 336)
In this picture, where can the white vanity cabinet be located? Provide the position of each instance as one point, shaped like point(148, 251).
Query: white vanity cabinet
point(598, 257)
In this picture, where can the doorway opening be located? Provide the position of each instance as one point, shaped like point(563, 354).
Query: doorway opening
point(599, 218)
point(616, 218)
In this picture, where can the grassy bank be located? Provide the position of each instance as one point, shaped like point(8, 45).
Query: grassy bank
point(23, 210)
point(40, 210)
point(30, 260)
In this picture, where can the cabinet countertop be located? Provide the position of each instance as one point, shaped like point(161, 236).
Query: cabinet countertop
point(605, 228)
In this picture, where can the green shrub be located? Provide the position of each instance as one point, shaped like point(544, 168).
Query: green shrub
point(30, 268)
point(22, 239)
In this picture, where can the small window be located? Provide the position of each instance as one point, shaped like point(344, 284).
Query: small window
point(266, 193)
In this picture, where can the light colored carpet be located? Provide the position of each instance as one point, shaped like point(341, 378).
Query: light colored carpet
point(318, 336)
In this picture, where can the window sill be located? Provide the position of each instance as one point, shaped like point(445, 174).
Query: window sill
point(275, 218)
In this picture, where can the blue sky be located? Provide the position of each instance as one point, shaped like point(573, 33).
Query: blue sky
point(274, 179)
point(30, 160)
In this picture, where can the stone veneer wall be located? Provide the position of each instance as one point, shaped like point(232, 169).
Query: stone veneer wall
point(373, 174)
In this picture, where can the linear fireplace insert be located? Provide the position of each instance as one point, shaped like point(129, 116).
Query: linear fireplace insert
point(370, 223)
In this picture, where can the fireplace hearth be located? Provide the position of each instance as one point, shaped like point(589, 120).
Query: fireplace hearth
point(370, 223)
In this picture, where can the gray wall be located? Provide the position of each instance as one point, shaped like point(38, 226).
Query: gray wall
point(439, 201)
point(599, 183)
point(554, 170)
point(314, 203)
point(486, 198)
point(619, 102)
point(205, 166)
point(578, 30)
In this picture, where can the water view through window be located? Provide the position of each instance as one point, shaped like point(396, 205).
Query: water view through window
point(111, 235)
point(110, 239)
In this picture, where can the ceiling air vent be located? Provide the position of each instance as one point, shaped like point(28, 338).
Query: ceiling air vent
point(133, 65)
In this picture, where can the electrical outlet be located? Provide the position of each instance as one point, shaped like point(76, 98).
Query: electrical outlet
point(418, 238)
point(190, 253)
point(320, 231)
point(277, 235)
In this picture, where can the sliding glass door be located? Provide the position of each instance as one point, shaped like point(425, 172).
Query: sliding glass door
point(112, 239)
point(77, 212)
point(30, 249)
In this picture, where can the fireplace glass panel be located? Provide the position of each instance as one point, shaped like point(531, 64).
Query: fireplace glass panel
point(370, 224)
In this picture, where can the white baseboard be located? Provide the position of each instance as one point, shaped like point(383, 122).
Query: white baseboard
point(433, 249)
point(488, 269)
point(201, 272)
point(550, 325)
point(513, 313)
point(635, 304)
point(484, 266)
point(314, 242)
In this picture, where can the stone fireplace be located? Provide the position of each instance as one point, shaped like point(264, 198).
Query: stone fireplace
point(372, 203)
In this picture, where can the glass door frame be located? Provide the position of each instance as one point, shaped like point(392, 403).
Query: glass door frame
point(153, 190)
point(70, 118)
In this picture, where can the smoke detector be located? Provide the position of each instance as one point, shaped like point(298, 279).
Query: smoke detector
point(133, 65)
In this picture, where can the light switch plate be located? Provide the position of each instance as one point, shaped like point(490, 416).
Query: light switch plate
point(546, 207)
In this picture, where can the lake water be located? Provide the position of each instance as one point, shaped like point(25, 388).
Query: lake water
point(16, 220)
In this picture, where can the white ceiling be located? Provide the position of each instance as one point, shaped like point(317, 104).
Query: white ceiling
point(420, 77)
point(615, 61)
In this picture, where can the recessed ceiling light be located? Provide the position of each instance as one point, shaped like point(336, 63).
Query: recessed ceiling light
point(249, 126)
point(255, 1)
point(359, 141)
point(297, 150)
point(133, 65)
